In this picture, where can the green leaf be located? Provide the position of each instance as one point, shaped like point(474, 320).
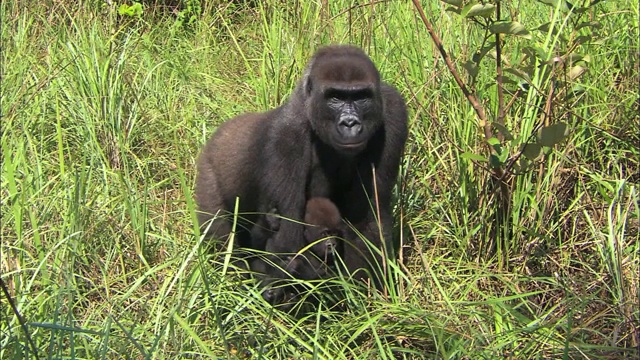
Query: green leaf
point(531, 151)
point(556, 3)
point(503, 130)
point(472, 156)
point(548, 28)
point(453, 2)
point(493, 141)
point(523, 164)
point(576, 71)
point(594, 25)
point(133, 10)
point(574, 58)
point(552, 134)
point(137, 8)
point(499, 150)
point(475, 9)
point(503, 156)
point(581, 40)
point(582, 10)
point(517, 141)
point(506, 80)
point(536, 52)
point(492, 54)
point(471, 67)
point(453, 9)
point(123, 9)
point(553, 3)
point(519, 73)
point(495, 162)
point(510, 27)
point(479, 54)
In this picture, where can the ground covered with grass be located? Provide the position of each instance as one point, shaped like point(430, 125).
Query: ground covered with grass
point(526, 248)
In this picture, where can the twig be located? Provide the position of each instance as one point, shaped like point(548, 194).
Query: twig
point(470, 97)
point(23, 324)
point(488, 134)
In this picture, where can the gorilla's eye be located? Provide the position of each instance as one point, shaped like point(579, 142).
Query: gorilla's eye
point(354, 95)
point(362, 95)
point(334, 102)
point(335, 95)
point(363, 103)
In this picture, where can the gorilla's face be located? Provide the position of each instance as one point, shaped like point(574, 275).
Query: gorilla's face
point(344, 103)
point(325, 242)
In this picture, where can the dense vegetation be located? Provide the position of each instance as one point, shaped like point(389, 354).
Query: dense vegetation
point(518, 217)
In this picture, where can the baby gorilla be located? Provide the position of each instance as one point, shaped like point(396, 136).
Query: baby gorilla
point(323, 233)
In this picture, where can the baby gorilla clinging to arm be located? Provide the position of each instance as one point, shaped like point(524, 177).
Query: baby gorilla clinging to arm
point(323, 233)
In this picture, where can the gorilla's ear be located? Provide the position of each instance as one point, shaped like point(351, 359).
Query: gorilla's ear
point(308, 85)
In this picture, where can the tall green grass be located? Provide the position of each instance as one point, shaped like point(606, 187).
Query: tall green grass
point(103, 116)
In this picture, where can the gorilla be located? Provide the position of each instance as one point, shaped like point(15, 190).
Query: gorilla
point(340, 135)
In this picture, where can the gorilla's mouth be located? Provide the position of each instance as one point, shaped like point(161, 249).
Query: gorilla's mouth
point(353, 145)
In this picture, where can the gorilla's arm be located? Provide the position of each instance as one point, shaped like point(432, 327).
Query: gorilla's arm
point(287, 158)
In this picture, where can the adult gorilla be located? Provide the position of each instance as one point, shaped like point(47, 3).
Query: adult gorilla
point(340, 135)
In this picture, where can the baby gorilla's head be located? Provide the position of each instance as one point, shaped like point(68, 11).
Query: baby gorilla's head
point(324, 229)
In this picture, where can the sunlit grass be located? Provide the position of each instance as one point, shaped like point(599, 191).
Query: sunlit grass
point(103, 116)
